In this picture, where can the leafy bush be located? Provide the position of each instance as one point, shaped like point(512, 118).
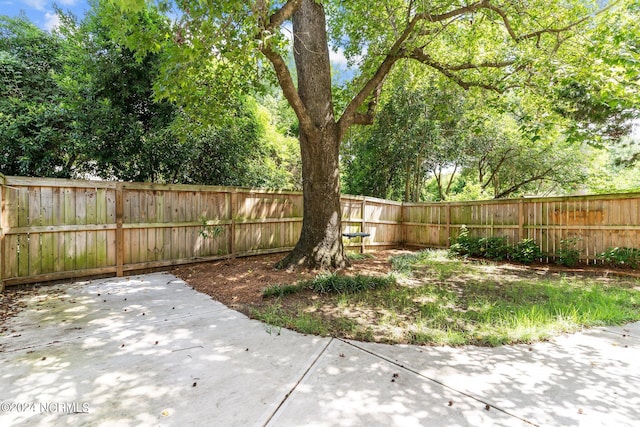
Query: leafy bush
point(568, 255)
point(621, 257)
point(526, 251)
point(465, 245)
point(495, 248)
point(333, 283)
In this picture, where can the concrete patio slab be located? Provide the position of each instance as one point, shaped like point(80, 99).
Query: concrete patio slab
point(351, 387)
point(149, 350)
point(583, 379)
point(200, 364)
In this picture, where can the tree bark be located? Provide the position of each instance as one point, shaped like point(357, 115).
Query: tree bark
point(320, 244)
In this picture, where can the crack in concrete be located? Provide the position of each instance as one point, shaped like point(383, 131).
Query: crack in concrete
point(419, 374)
point(315, 360)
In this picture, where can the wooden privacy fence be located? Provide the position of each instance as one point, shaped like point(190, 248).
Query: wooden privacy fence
point(57, 229)
point(596, 222)
point(54, 229)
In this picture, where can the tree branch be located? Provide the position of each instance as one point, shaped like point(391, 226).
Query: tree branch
point(540, 176)
point(495, 169)
point(453, 174)
point(284, 13)
point(519, 185)
point(452, 14)
point(448, 70)
point(537, 34)
point(488, 64)
point(348, 117)
point(363, 119)
point(289, 89)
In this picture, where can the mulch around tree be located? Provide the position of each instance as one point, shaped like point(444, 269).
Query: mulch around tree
point(238, 283)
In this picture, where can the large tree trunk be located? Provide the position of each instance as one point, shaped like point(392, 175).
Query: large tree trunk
point(320, 244)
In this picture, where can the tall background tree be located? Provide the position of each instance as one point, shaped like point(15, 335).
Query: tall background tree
point(432, 141)
point(120, 130)
point(225, 46)
point(419, 133)
point(34, 122)
point(78, 103)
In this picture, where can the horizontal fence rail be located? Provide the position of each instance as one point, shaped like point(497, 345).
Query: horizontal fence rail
point(596, 222)
point(54, 229)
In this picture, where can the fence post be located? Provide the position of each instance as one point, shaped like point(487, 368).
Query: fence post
point(3, 224)
point(233, 200)
point(403, 228)
point(448, 243)
point(520, 220)
point(363, 224)
point(119, 230)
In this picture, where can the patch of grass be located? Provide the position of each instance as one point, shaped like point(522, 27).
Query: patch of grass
point(272, 316)
point(307, 323)
point(431, 262)
point(281, 290)
point(455, 302)
point(276, 318)
point(406, 263)
point(357, 256)
point(334, 283)
point(331, 283)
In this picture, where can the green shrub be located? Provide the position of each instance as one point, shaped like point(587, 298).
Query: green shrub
point(495, 248)
point(526, 251)
point(568, 255)
point(333, 283)
point(465, 245)
point(621, 257)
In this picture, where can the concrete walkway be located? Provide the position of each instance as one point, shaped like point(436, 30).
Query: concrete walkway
point(149, 350)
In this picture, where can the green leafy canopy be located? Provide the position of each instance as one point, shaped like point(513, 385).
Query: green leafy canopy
point(216, 47)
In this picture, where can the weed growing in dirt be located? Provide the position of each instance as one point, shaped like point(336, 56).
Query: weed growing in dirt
point(281, 290)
